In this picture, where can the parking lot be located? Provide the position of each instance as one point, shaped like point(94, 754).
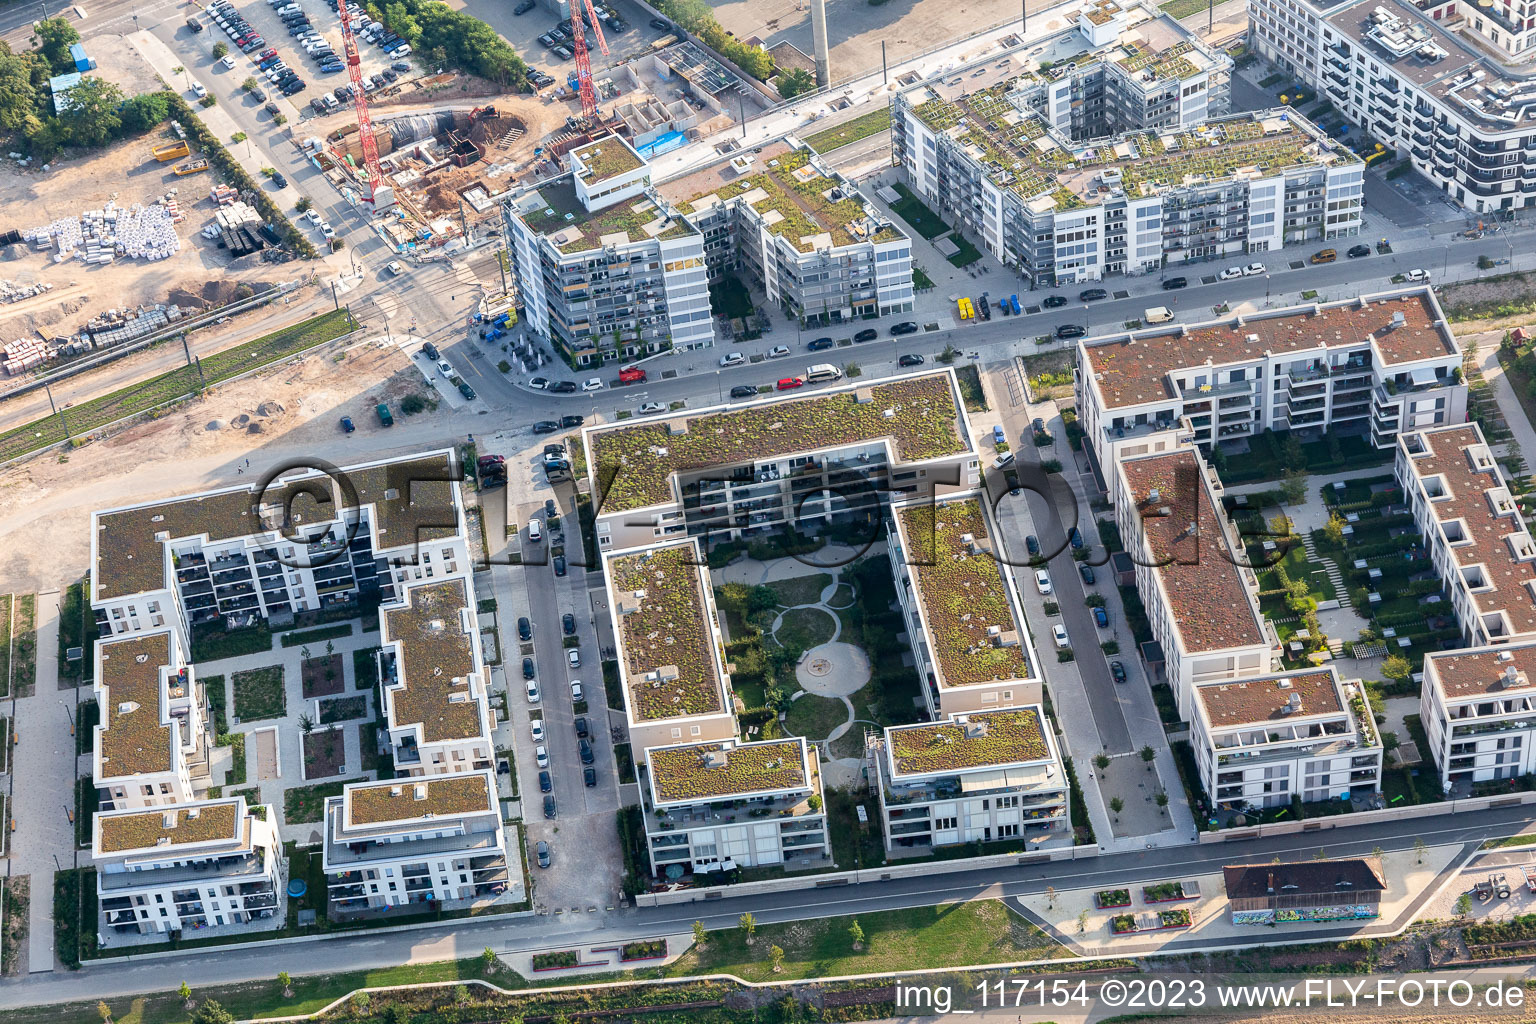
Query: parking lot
point(523, 32)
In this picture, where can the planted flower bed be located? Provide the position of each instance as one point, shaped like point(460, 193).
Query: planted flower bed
point(1165, 892)
point(1173, 918)
point(1124, 924)
point(556, 961)
point(646, 949)
point(1107, 898)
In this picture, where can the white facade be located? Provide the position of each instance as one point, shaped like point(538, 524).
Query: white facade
point(190, 868)
point(1263, 741)
point(1479, 712)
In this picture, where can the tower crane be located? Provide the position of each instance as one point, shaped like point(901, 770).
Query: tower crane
point(583, 61)
point(380, 195)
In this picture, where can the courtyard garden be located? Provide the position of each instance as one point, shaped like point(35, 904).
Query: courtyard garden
point(343, 709)
point(259, 694)
point(322, 676)
point(325, 751)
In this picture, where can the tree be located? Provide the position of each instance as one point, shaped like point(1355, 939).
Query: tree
point(285, 980)
point(304, 652)
point(1334, 530)
point(1101, 760)
point(1376, 851)
point(210, 1012)
point(1050, 897)
point(1148, 755)
point(1397, 668)
point(304, 204)
point(1463, 905)
point(1082, 923)
point(141, 113)
point(1420, 848)
point(776, 957)
point(857, 934)
point(1117, 805)
point(700, 934)
point(1294, 487)
point(54, 37)
point(793, 83)
point(748, 924)
point(18, 94)
point(105, 1011)
point(306, 724)
point(1291, 454)
point(248, 84)
point(185, 991)
point(1161, 798)
point(91, 118)
point(488, 961)
point(220, 50)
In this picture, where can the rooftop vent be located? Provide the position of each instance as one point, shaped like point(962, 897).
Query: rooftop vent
point(1398, 320)
point(419, 791)
point(395, 790)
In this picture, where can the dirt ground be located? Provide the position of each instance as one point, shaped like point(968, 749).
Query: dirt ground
point(292, 410)
point(127, 173)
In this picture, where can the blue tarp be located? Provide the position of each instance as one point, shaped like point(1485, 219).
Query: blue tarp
point(664, 144)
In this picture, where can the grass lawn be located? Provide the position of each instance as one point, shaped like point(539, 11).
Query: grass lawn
point(303, 804)
point(317, 636)
point(6, 603)
point(814, 717)
point(921, 281)
point(850, 131)
point(1177, 9)
point(24, 645)
point(954, 935)
point(801, 589)
point(259, 694)
point(805, 628)
point(967, 255)
point(916, 213)
point(365, 671)
point(368, 747)
point(214, 644)
point(342, 709)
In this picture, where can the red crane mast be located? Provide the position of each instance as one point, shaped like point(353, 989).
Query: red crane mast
point(583, 61)
point(360, 102)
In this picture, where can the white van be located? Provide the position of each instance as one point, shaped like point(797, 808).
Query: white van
point(1157, 315)
point(822, 371)
point(534, 530)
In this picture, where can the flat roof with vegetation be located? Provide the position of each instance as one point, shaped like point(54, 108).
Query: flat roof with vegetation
point(411, 799)
point(711, 771)
point(607, 158)
point(180, 825)
point(134, 740)
point(554, 211)
point(437, 660)
point(665, 636)
point(980, 739)
point(634, 464)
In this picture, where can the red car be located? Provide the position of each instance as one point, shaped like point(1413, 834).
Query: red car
point(631, 375)
point(264, 54)
point(789, 383)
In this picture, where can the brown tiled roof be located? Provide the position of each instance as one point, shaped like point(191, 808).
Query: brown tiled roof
point(130, 559)
point(1481, 673)
point(134, 742)
point(379, 803)
point(1246, 701)
point(963, 593)
point(1468, 501)
point(986, 739)
point(1210, 602)
point(1136, 371)
point(706, 771)
point(144, 829)
point(436, 659)
point(667, 627)
point(1319, 877)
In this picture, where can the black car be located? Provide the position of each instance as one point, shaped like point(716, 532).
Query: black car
point(550, 508)
point(1029, 542)
point(819, 344)
point(1038, 426)
point(258, 95)
point(402, 66)
point(554, 448)
point(661, 24)
point(1071, 331)
point(430, 351)
point(572, 421)
point(524, 628)
point(296, 85)
point(1092, 294)
point(467, 391)
point(1175, 282)
point(1053, 301)
point(1118, 671)
point(568, 623)
point(1086, 572)
point(743, 391)
point(867, 334)
point(910, 360)
point(279, 180)
point(582, 732)
point(587, 757)
point(549, 808)
point(546, 784)
point(523, 8)
point(1356, 251)
point(905, 327)
point(559, 565)
point(528, 672)
point(542, 849)
point(563, 387)
point(545, 427)
point(589, 777)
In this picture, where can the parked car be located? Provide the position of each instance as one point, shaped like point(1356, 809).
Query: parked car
point(347, 425)
point(1357, 251)
point(1254, 269)
point(532, 689)
point(1117, 670)
point(789, 383)
point(572, 420)
point(1053, 301)
point(648, 408)
point(631, 375)
point(910, 359)
point(743, 391)
point(867, 334)
point(1231, 273)
point(1059, 634)
point(524, 628)
point(577, 696)
point(585, 748)
point(1042, 581)
point(1101, 618)
point(1030, 543)
point(1075, 537)
point(1071, 331)
point(536, 730)
point(661, 25)
point(545, 427)
point(732, 359)
point(539, 383)
point(905, 327)
point(581, 727)
point(467, 391)
point(778, 352)
point(563, 387)
point(568, 624)
point(1092, 295)
point(1417, 275)
point(1086, 572)
point(528, 672)
point(589, 777)
point(541, 849)
point(820, 344)
point(549, 808)
point(1175, 283)
point(574, 657)
point(546, 782)
point(560, 568)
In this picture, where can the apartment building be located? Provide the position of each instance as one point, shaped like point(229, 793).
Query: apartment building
point(976, 777)
point(963, 614)
point(308, 542)
point(1407, 78)
point(838, 454)
point(207, 864)
point(604, 270)
point(1478, 707)
point(433, 679)
point(1263, 741)
point(1475, 533)
point(725, 805)
point(1374, 365)
point(798, 230)
point(150, 747)
point(1191, 572)
point(670, 652)
point(436, 840)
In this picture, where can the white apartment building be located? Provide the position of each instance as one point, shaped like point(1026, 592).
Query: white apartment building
point(603, 269)
point(981, 776)
point(1475, 533)
point(1374, 365)
point(203, 865)
point(670, 652)
point(837, 454)
point(800, 231)
point(1479, 712)
point(963, 614)
point(234, 557)
point(433, 679)
point(726, 805)
point(1262, 741)
point(435, 840)
point(150, 747)
point(1191, 572)
point(1465, 120)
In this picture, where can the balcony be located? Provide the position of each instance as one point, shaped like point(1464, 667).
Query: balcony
point(1199, 391)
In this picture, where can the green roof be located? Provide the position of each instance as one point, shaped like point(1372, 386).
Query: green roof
point(633, 464)
point(667, 626)
point(606, 158)
point(638, 219)
point(983, 739)
point(708, 771)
